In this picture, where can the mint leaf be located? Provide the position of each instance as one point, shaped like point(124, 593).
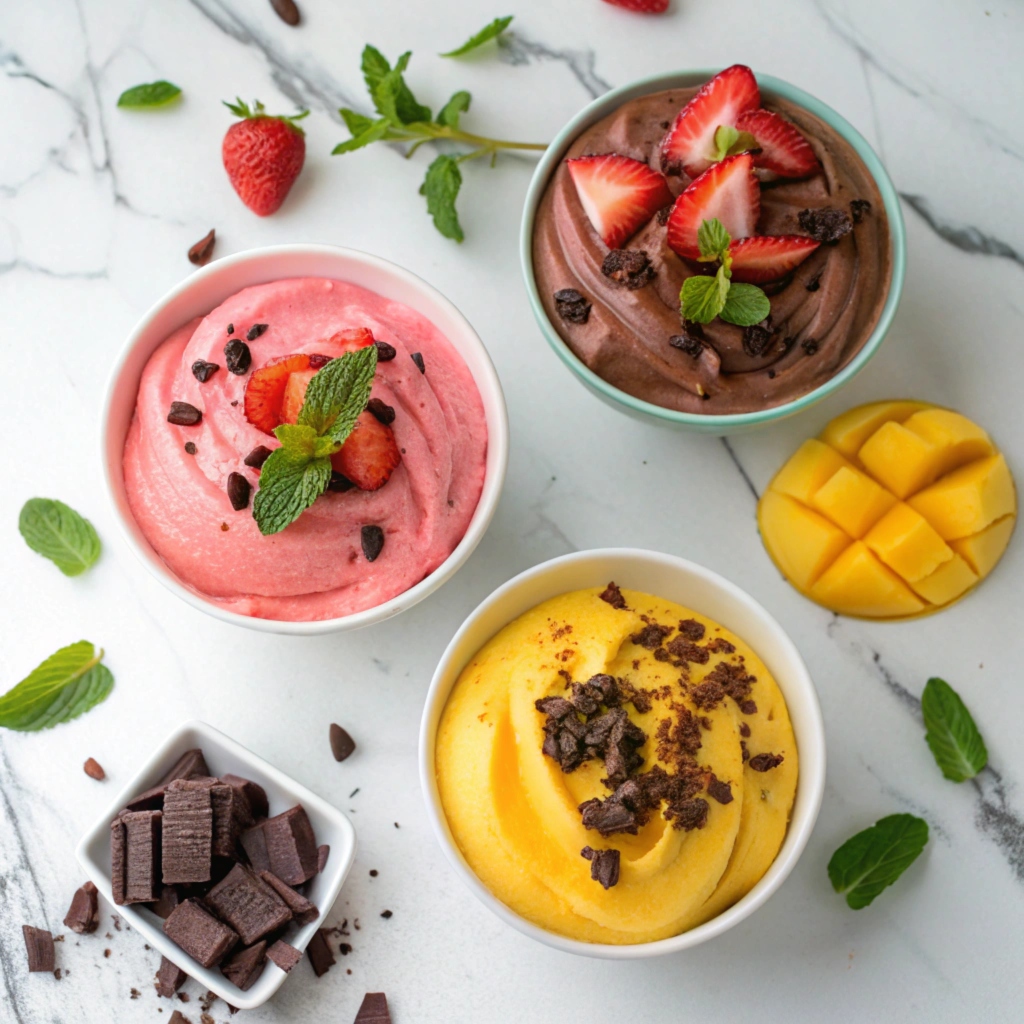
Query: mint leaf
point(952, 736)
point(729, 141)
point(377, 131)
point(289, 484)
point(702, 298)
point(441, 187)
point(391, 96)
point(57, 532)
point(297, 439)
point(338, 393)
point(374, 67)
point(487, 33)
point(712, 239)
point(152, 94)
point(66, 685)
point(873, 859)
point(449, 113)
point(745, 305)
point(355, 122)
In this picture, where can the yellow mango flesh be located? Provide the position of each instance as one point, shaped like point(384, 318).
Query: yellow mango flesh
point(948, 582)
point(857, 583)
point(968, 499)
point(853, 501)
point(802, 543)
point(907, 543)
point(810, 468)
point(848, 431)
point(983, 550)
point(899, 459)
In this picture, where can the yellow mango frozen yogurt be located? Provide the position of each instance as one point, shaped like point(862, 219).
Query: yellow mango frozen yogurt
point(615, 767)
point(898, 509)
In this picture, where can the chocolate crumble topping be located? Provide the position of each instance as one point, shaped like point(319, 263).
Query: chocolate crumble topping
point(572, 306)
point(859, 209)
point(630, 267)
point(678, 739)
point(190, 448)
point(691, 340)
point(815, 283)
point(184, 415)
point(685, 650)
point(651, 636)
point(757, 338)
point(604, 865)
point(809, 345)
point(734, 681)
point(613, 596)
point(708, 694)
point(765, 762)
point(719, 790)
point(827, 224)
point(691, 629)
point(203, 371)
point(744, 730)
point(255, 331)
point(663, 215)
point(237, 356)
point(719, 645)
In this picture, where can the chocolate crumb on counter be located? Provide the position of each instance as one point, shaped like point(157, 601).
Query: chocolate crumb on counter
point(169, 978)
point(374, 872)
point(237, 356)
point(572, 306)
point(203, 371)
point(385, 352)
point(719, 790)
point(94, 769)
point(81, 916)
point(238, 491)
point(256, 331)
point(177, 1017)
point(200, 253)
point(256, 458)
point(613, 596)
point(826, 224)
point(765, 762)
point(342, 744)
point(373, 1009)
point(758, 338)
point(859, 209)
point(38, 949)
point(319, 952)
point(284, 955)
point(182, 414)
point(690, 340)
point(417, 358)
point(629, 267)
point(809, 345)
point(604, 865)
point(190, 448)
point(386, 914)
point(815, 283)
point(372, 539)
point(381, 410)
point(287, 11)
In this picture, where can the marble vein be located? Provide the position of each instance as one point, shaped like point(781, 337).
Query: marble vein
point(515, 48)
point(963, 236)
point(739, 466)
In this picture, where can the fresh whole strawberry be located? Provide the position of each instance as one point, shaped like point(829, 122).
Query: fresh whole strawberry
point(263, 156)
point(641, 6)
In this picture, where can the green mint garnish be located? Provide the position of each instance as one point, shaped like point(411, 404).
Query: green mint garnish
point(486, 34)
point(152, 94)
point(701, 299)
point(57, 532)
point(403, 119)
point(298, 472)
point(729, 142)
point(63, 687)
point(953, 737)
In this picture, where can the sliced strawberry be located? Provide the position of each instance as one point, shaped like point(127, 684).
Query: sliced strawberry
point(295, 395)
point(641, 6)
point(769, 257)
point(690, 142)
point(370, 455)
point(783, 149)
point(726, 190)
point(265, 389)
point(351, 340)
point(619, 194)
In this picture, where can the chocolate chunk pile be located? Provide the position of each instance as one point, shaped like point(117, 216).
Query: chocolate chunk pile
point(205, 856)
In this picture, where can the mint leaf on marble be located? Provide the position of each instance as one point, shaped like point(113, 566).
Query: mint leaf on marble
point(449, 113)
point(745, 305)
point(952, 735)
point(441, 187)
point(151, 94)
point(57, 532)
point(391, 97)
point(873, 859)
point(702, 298)
point(485, 35)
point(66, 685)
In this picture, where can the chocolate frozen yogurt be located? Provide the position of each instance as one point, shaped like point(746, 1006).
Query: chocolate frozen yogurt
point(771, 206)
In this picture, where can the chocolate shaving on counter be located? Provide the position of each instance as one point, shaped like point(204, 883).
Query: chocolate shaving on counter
point(650, 636)
point(417, 358)
point(385, 352)
point(203, 371)
point(342, 744)
point(758, 338)
point(604, 865)
point(238, 491)
point(319, 952)
point(571, 306)
point(386, 914)
point(809, 345)
point(815, 282)
point(199, 933)
point(184, 415)
point(372, 539)
point(257, 456)
point(286, 11)
point(94, 769)
point(38, 948)
point(613, 596)
point(285, 956)
point(373, 1009)
point(322, 853)
point(255, 331)
point(81, 916)
point(245, 967)
point(630, 267)
point(765, 762)
point(190, 448)
point(381, 410)
point(827, 224)
point(339, 483)
point(719, 790)
point(169, 978)
point(691, 629)
point(859, 208)
point(237, 356)
point(200, 253)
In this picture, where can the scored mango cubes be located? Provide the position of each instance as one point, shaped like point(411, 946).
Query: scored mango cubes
point(898, 509)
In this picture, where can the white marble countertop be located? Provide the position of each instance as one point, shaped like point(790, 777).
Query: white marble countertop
point(97, 209)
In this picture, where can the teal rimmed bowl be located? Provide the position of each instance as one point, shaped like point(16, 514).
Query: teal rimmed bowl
point(732, 423)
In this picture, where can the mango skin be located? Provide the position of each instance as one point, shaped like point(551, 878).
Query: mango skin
point(897, 510)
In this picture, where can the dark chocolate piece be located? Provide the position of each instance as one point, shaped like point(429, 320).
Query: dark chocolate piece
point(322, 853)
point(199, 933)
point(758, 338)
point(203, 371)
point(81, 916)
point(118, 848)
point(244, 901)
point(386, 914)
point(190, 765)
point(231, 328)
point(827, 224)
point(373, 1009)
point(257, 456)
point(190, 448)
point(342, 744)
point(859, 208)
point(630, 267)
point(417, 358)
point(604, 865)
point(372, 539)
point(287, 11)
point(809, 345)
point(285, 845)
point(319, 953)
point(245, 967)
point(188, 831)
point(301, 909)
point(339, 483)
point(815, 282)
point(381, 410)
point(254, 794)
point(254, 843)
point(178, 1018)
point(169, 978)
point(285, 956)
point(237, 356)
point(225, 820)
point(200, 253)
point(613, 596)
point(142, 862)
point(183, 415)
point(719, 790)
point(765, 762)
point(385, 352)
point(94, 769)
point(166, 902)
point(255, 331)
point(238, 491)
point(39, 948)
point(572, 306)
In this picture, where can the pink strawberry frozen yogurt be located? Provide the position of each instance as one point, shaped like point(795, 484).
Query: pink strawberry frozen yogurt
point(315, 568)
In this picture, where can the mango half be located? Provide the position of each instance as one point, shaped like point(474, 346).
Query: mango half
point(898, 509)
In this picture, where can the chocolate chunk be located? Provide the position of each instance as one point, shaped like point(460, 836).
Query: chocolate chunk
point(613, 596)
point(719, 790)
point(372, 539)
point(188, 831)
point(744, 729)
point(203, 371)
point(238, 491)
point(118, 848)
point(254, 796)
point(39, 948)
point(169, 978)
point(190, 765)
point(339, 483)
point(572, 306)
point(199, 933)
point(385, 352)
point(319, 953)
point(708, 694)
point(859, 209)
point(373, 1009)
point(179, 1018)
point(604, 865)
point(287, 11)
point(285, 956)
point(417, 358)
point(748, 707)
point(231, 328)
point(765, 762)
point(608, 817)
point(650, 636)
point(757, 338)
point(245, 967)
point(255, 331)
point(301, 909)
point(342, 744)
point(383, 412)
point(826, 224)
point(243, 900)
point(257, 456)
point(284, 845)
point(815, 283)
point(557, 707)
point(166, 902)
point(94, 769)
point(142, 861)
point(322, 853)
point(386, 914)
point(237, 356)
point(690, 340)
point(689, 814)
point(200, 253)
point(809, 345)
point(734, 680)
point(630, 267)
point(691, 629)
point(190, 448)
point(184, 415)
point(81, 916)
point(226, 819)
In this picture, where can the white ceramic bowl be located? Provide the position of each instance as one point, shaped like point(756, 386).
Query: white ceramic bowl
point(676, 580)
point(206, 289)
point(224, 755)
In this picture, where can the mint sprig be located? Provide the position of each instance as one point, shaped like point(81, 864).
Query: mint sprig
point(402, 118)
point(702, 298)
point(952, 735)
point(729, 141)
point(150, 94)
point(485, 35)
point(298, 472)
point(57, 532)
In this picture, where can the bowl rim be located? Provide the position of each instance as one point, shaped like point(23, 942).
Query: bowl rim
point(810, 741)
point(209, 738)
point(488, 385)
point(772, 87)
